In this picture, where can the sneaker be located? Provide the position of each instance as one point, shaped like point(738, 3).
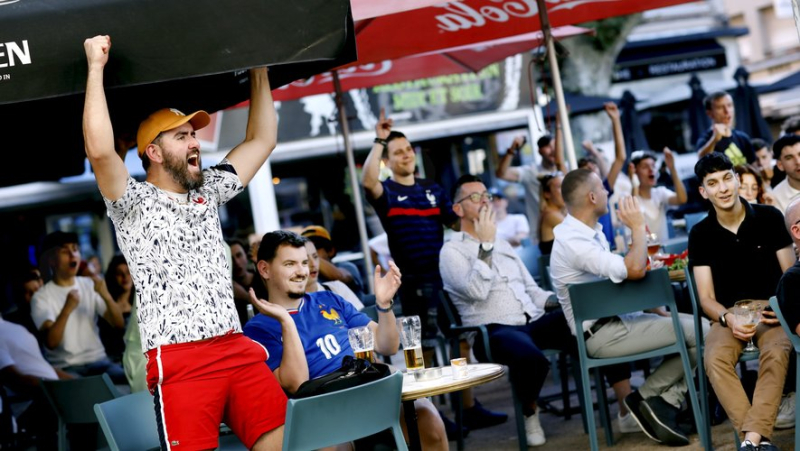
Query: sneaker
point(476, 417)
point(627, 424)
point(663, 417)
point(633, 403)
point(785, 418)
point(766, 445)
point(533, 430)
point(451, 428)
point(747, 445)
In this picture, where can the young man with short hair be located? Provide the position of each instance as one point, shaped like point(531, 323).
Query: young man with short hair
point(655, 200)
point(722, 137)
point(739, 251)
point(787, 154)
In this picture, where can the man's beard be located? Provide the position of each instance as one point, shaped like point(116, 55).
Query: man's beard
point(179, 170)
point(296, 295)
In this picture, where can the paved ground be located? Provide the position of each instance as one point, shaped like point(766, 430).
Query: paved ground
point(569, 435)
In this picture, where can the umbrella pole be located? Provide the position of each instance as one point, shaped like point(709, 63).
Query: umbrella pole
point(563, 114)
point(354, 185)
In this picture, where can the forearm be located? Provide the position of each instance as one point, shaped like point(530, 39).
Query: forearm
point(503, 169)
point(329, 271)
point(559, 156)
point(707, 148)
point(680, 190)
point(370, 177)
point(262, 121)
point(113, 313)
point(294, 367)
point(636, 258)
point(98, 133)
point(387, 339)
point(55, 332)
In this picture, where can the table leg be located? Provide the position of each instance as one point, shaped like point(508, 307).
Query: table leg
point(410, 413)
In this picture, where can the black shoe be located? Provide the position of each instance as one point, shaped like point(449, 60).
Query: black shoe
point(633, 403)
point(663, 417)
point(476, 417)
point(747, 445)
point(766, 445)
point(452, 429)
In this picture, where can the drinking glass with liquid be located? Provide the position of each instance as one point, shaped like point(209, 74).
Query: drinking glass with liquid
point(362, 341)
point(410, 330)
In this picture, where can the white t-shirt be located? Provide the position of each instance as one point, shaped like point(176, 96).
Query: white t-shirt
point(81, 341)
point(342, 290)
point(784, 194)
point(176, 257)
point(655, 211)
point(511, 226)
point(19, 348)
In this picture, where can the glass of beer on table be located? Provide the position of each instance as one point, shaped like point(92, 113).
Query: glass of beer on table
point(410, 330)
point(363, 342)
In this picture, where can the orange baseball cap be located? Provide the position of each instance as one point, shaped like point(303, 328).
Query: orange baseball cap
point(167, 119)
point(316, 231)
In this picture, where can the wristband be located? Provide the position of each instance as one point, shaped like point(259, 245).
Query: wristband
point(387, 309)
point(722, 320)
point(381, 141)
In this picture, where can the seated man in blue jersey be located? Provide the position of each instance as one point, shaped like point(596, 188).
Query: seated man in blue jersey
point(306, 333)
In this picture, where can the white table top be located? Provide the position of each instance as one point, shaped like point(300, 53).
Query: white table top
point(479, 373)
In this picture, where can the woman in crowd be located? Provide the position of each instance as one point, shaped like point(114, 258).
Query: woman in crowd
point(554, 210)
point(752, 186)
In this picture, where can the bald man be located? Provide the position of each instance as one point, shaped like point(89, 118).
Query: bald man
point(789, 285)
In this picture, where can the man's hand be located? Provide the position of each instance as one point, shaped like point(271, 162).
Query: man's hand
point(768, 317)
point(630, 213)
point(386, 286)
point(589, 147)
point(485, 224)
point(384, 126)
point(611, 110)
point(73, 300)
point(268, 308)
point(517, 144)
point(738, 331)
point(100, 286)
point(97, 49)
point(721, 131)
point(669, 159)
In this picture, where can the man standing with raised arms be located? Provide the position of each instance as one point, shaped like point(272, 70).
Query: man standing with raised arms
point(200, 368)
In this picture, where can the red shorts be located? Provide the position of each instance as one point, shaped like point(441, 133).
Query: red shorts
point(197, 385)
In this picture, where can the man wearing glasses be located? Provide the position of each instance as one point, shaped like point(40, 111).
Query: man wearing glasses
point(414, 212)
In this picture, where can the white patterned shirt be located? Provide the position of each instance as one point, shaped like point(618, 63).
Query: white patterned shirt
point(176, 258)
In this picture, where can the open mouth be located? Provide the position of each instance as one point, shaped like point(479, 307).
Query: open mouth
point(194, 160)
point(73, 264)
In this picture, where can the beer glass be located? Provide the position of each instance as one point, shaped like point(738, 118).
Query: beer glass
point(748, 315)
point(410, 330)
point(363, 342)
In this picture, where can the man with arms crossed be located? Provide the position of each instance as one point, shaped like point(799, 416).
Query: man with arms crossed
point(200, 367)
point(739, 252)
point(306, 333)
point(581, 254)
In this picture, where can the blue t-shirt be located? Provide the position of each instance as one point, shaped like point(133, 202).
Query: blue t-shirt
point(414, 218)
point(322, 321)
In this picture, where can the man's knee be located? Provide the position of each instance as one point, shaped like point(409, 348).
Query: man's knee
point(269, 441)
point(431, 426)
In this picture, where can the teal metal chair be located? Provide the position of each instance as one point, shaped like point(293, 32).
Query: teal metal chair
point(604, 298)
point(346, 415)
point(73, 401)
point(697, 310)
point(530, 257)
point(676, 245)
point(129, 422)
point(795, 339)
point(694, 218)
point(544, 273)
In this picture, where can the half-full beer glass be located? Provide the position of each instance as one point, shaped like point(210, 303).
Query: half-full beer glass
point(410, 329)
point(363, 342)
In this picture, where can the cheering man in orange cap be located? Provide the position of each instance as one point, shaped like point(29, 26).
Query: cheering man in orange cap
point(201, 369)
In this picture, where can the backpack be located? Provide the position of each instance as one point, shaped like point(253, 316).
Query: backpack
point(354, 372)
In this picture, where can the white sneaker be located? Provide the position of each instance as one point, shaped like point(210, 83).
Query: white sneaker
point(533, 430)
point(785, 418)
point(627, 424)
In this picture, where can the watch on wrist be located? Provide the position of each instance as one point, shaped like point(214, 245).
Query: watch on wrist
point(387, 309)
point(381, 141)
point(722, 319)
point(487, 247)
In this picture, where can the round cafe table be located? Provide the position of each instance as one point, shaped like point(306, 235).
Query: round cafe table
point(479, 373)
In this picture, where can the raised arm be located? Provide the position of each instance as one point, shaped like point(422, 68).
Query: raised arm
point(262, 129)
point(387, 339)
point(720, 131)
point(98, 134)
point(53, 331)
point(370, 177)
point(561, 164)
point(636, 259)
point(680, 196)
point(293, 370)
point(619, 143)
point(504, 169)
point(113, 314)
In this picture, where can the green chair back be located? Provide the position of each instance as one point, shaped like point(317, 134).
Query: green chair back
point(346, 415)
point(129, 422)
point(795, 339)
point(73, 400)
point(604, 298)
point(694, 218)
point(544, 273)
